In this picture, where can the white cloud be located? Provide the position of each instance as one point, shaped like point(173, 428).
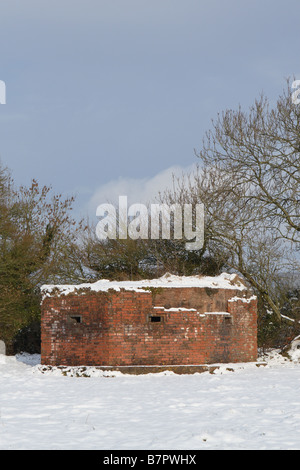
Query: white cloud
point(137, 190)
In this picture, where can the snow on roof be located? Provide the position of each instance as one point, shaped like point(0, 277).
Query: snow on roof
point(223, 281)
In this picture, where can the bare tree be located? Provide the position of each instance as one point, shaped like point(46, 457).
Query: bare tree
point(235, 232)
point(248, 180)
point(260, 152)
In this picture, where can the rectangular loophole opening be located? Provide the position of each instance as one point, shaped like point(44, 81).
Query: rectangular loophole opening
point(155, 319)
point(75, 319)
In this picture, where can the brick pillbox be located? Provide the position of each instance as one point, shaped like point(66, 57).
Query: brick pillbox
point(170, 321)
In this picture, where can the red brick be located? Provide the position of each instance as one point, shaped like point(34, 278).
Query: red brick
point(115, 328)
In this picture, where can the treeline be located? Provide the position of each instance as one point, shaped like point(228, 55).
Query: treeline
point(38, 240)
point(247, 177)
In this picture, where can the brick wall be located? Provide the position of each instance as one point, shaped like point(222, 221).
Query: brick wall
point(196, 326)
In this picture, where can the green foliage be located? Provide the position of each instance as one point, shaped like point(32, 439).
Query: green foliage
point(28, 339)
point(273, 333)
point(140, 259)
point(36, 236)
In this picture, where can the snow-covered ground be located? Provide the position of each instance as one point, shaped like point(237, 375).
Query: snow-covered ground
point(248, 408)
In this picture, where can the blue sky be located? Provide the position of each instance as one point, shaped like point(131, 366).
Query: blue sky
point(112, 96)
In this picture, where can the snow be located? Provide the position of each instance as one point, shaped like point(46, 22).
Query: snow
point(223, 281)
point(243, 299)
point(182, 309)
point(294, 350)
point(239, 406)
point(217, 313)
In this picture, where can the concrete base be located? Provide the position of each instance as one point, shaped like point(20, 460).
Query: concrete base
point(2, 347)
point(80, 371)
point(191, 369)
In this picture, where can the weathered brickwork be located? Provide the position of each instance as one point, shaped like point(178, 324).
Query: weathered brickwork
point(165, 326)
